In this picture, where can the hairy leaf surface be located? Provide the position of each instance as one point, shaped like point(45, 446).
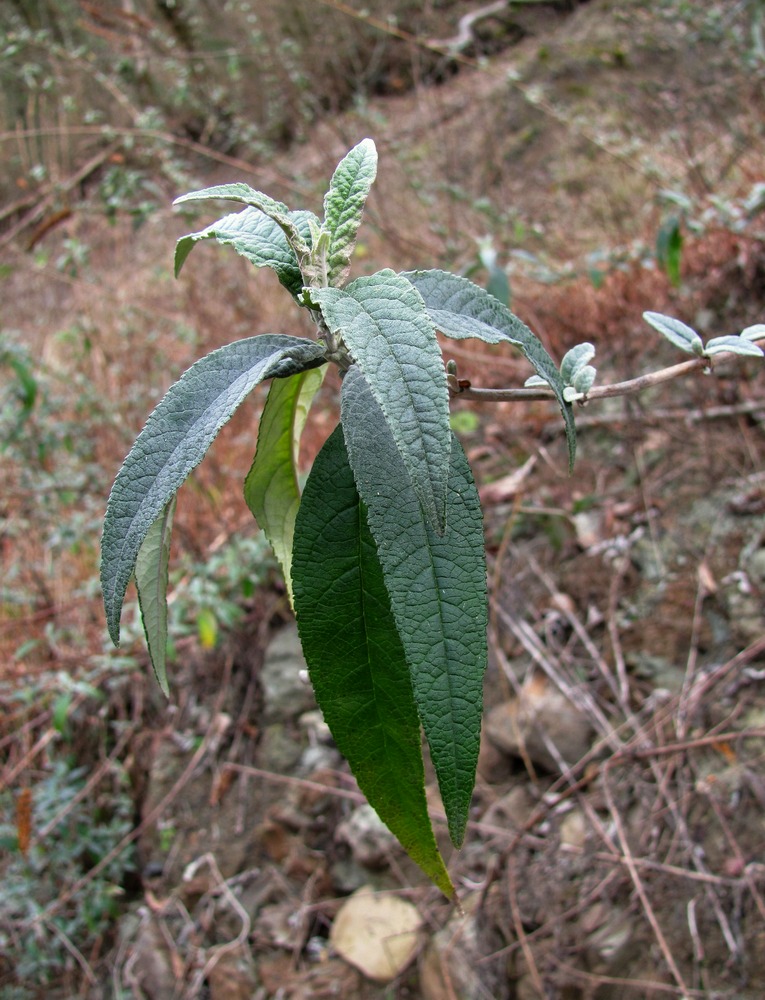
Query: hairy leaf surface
point(676, 332)
point(271, 487)
point(176, 436)
point(437, 588)
point(151, 569)
point(385, 326)
point(344, 205)
point(460, 309)
point(355, 658)
point(275, 210)
point(258, 238)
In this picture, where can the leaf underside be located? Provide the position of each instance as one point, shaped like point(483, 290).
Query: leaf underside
point(151, 574)
point(274, 210)
point(355, 658)
point(383, 322)
point(259, 239)
point(676, 332)
point(175, 439)
point(437, 589)
point(271, 487)
point(460, 309)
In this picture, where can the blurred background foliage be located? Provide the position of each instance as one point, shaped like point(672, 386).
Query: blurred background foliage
point(233, 77)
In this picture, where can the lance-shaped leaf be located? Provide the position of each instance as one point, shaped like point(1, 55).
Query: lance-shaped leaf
point(355, 658)
point(174, 441)
point(344, 204)
point(459, 309)
point(275, 210)
point(271, 487)
point(151, 569)
point(382, 320)
point(677, 333)
point(258, 238)
point(733, 344)
point(437, 588)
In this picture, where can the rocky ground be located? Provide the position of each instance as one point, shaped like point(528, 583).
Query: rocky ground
point(616, 837)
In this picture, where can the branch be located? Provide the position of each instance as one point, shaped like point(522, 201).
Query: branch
point(463, 388)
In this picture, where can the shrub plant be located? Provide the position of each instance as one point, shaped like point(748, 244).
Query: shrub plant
point(383, 553)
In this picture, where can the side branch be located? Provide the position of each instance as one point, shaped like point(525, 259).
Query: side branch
point(463, 389)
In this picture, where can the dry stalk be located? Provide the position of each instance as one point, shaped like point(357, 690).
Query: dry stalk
point(645, 986)
point(73, 951)
point(287, 779)
point(528, 953)
point(47, 737)
point(576, 692)
point(729, 836)
point(216, 954)
point(687, 704)
point(638, 884)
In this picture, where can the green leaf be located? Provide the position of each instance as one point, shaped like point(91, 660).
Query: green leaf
point(383, 322)
point(733, 345)
point(258, 238)
point(669, 249)
point(355, 659)
point(574, 361)
point(271, 487)
point(174, 441)
point(676, 332)
point(60, 713)
point(344, 205)
point(151, 569)
point(583, 379)
point(498, 285)
point(437, 588)
point(207, 628)
point(277, 211)
point(756, 332)
point(460, 309)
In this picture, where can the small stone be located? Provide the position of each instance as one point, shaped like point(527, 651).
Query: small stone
point(369, 839)
point(376, 933)
point(573, 830)
point(279, 750)
point(543, 724)
point(286, 695)
point(451, 964)
point(612, 940)
point(511, 811)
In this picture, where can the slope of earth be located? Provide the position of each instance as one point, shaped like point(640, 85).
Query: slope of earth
point(207, 847)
